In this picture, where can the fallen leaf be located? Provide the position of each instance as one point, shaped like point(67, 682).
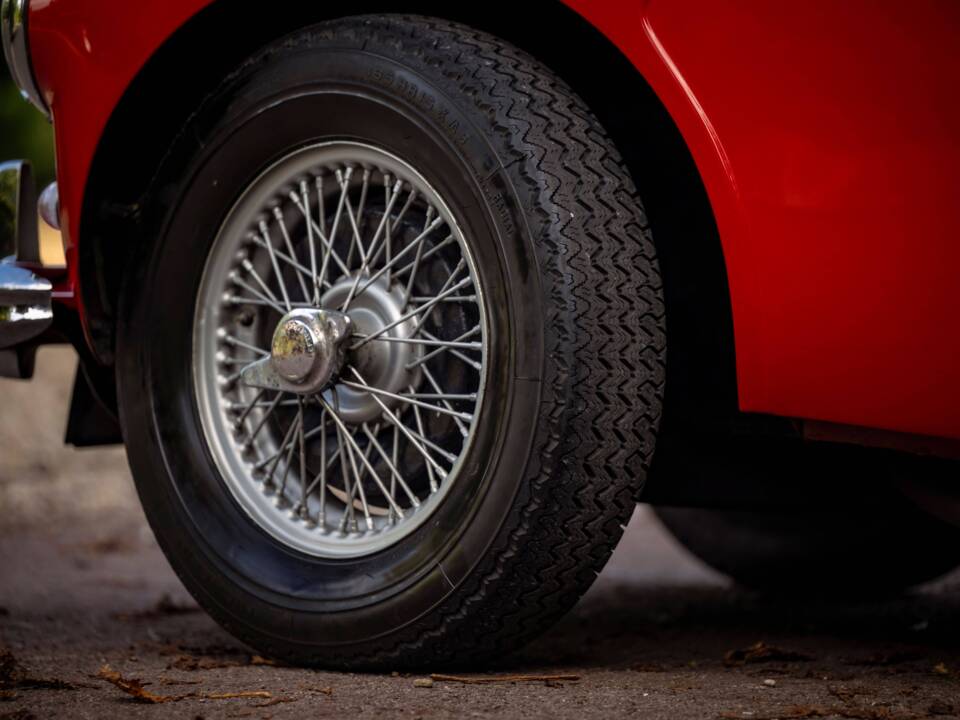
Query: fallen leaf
point(260, 660)
point(134, 687)
point(8, 695)
point(482, 679)
point(761, 652)
point(941, 669)
point(262, 694)
point(423, 683)
point(276, 701)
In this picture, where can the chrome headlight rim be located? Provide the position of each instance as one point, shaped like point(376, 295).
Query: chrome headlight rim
point(13, 30)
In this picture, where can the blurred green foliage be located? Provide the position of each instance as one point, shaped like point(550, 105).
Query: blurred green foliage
point(24, 132)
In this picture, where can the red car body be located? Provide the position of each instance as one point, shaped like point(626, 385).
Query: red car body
point(825, 135)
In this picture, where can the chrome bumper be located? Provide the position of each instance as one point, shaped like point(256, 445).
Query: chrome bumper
point(25, 299)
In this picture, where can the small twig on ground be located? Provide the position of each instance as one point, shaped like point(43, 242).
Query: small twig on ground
point(484, 679)
point(134, 687)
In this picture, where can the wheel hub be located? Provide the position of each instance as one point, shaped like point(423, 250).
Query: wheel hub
point(306, 353)
point(382, 364)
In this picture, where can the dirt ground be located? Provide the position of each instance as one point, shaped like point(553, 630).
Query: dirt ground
point(83, 585)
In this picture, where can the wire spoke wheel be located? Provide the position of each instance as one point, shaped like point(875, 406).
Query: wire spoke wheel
point(391, 356)
point(339, 349)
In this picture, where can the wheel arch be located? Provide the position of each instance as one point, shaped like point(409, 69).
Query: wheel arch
point(702, 376)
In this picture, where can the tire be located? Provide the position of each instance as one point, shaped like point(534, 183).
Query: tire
point(549, 228)
point(881, 549)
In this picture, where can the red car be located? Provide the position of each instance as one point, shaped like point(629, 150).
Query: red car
point(399, 307)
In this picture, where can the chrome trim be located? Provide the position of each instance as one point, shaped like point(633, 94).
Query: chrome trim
point(13, 30)
point(25, 309)
point(49, 205)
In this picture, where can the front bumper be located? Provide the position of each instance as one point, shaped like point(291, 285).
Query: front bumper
point(25, 299)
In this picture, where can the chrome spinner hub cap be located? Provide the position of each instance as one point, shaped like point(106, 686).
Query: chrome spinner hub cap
point(306, 352)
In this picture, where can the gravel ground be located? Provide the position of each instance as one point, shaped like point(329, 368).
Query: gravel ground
point(83, 585)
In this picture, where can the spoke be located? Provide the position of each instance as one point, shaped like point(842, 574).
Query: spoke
point(443, 288)
point(443, 346)
point(252, 271)
point(278, 215)
point(421, 341)
point(238, 423)
point(311, 246)
point(326, 241)
point(287, 438)
point(263, 420)
point(357, 485)
point(419, 421)
point(454, 299)
point(411, 436)
point(456, 353)
point(408, 291)
point(415, 243)
point(348, 512)
point(410, 400)
point(298, 266)
point(321, 213)
point(237, 300)
point(322, 476)
point(412, 313)
point(396, 477)
point(233, 407)
point(429, 253)
point(266, 461)
point(231, 340)
point(365, 267)
point(265, 233)
point(364, 187)
point(303, 455)
point(444, 399)
point(373, 473)
point(388, 243)
point(394, 457)
point(391, 226)
point(440, 395)
point(355, 240)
